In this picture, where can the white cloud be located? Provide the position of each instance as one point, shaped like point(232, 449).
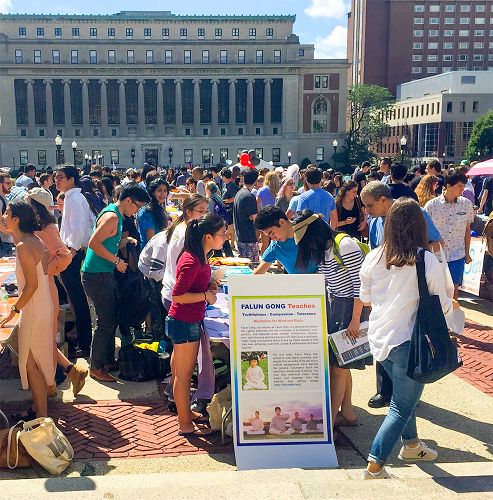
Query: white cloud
point(327, 8)
point(5, 6)
point(332, 46)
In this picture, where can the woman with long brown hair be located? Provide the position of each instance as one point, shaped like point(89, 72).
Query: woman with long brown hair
point(389, 284)
point(426, 189)
point(351, 218)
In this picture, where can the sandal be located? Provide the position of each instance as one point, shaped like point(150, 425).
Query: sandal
point(197, 432)
point(342, 421)
point(25, 415)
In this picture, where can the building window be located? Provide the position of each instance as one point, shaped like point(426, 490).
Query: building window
point(417, 57)
point(22, 32)
point(319, 154)
point(149, 57)
point(93, 32)
point(277, 56)
point(41, 156)
point(58, 32)
point(223, 56)
point(74, 57)
point(464, 20)
point(419, 20)
point(188, 155)
point(111, 32)
point(206, 156)
point(465, 8)
point(433, 33)
point(448, 45)
point(319, 116)
point(129, 32)
point(463, 45)
point(257, 131)
point(168, 56)
point(19, 59)
point(259, 56)
point(419, 8)
point(201, 32)
point(434, 20)
point(448, 33)
point(432, 58)
point(269, 32)
point(37, 56)
point(276, 155)
point(165, 32)
point(416, 70)
point(450, 20)
point(478, 45)
point(235, 32)
point(93, 57)
point(241, 57)
point(130, 57)
point(432, 46)
point(448, 58)
point(218, 33)
point(435, 8)
point(111, 57)
point(418, 33)
point(252, 32)
point(183, 32)
point(223, 131)
point(479, 20)
point(23, 157)
point(187, 56)
point(75, 32)
point(446, 69)
point(55, 56)
point(301, 52)
point(223, 155)
point(40, 32)
point(449, 8)
point(417, 45)
point(463, 32)
point(480, 8)
point(114, 156)
point(478, 32)
point(463, 57)
point(205, 57)
point(478, 57)
point(147, 32)
point(462, 106)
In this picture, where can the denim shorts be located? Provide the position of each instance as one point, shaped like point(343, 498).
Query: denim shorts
point(456, 268)
point(180, 332)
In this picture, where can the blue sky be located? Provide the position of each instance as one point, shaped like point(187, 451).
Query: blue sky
point(322, 22)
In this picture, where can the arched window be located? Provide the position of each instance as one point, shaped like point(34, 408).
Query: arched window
point(320, 116)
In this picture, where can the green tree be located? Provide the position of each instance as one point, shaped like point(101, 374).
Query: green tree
point(367, 105)
point(480, 145)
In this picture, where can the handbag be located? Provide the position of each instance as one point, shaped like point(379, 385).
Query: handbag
point(432, 354)
point(45, 443)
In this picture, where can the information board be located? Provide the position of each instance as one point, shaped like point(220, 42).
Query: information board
point(280, 372)
point(472, 272)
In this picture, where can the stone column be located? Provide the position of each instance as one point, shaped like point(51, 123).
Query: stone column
point(178, 109)
point(104, 108)
point(122, 108)
point(85, 109)
point(267, 107)
point(249, 120)
point(215, 108)
point(31, 117)
point(196, 108)
point(141, 108)
point(67, 108)
point(232, 107)
point(49, 108)
point(160, 110)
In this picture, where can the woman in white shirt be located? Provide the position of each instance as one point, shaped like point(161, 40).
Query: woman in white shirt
point(389, 284)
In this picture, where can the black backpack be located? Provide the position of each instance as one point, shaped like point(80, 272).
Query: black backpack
point(138, 365)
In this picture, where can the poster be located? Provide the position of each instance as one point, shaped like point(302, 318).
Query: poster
point(280, 372)
point(473, 271)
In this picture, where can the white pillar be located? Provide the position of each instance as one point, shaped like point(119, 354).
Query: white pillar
point(104, 108)
point(85, 109)
point(49, 108)
point(122, 108)
point(160, 110)
point(196, 108)
point(214, 108)
point(267, 107)
point(178, 109)
point(30, 109)
point(232, 107)
point(249, 120)
point(141, 108)
point(67, 108)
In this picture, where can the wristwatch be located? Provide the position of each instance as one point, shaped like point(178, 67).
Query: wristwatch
point(14, 309)
point(117, 261)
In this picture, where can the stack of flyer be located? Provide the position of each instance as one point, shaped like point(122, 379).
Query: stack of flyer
point(349, 349)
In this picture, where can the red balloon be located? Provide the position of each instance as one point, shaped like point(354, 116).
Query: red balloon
point(244, 159)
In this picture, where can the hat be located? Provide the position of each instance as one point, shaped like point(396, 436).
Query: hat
point(464, 163)
point(300, 228)
point(41, 196)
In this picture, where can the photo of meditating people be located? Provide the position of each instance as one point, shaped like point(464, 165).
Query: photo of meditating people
point(254, 371)
point(282, 417)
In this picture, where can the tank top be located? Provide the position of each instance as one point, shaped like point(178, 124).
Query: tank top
point(94, 263)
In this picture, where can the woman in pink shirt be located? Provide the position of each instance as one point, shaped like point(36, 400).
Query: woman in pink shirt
point(191, 293)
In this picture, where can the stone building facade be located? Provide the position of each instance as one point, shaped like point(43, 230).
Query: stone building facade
point(135, 86)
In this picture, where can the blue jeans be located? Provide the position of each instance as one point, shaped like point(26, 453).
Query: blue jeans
point(400, 422)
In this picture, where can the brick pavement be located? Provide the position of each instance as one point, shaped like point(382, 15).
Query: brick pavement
point(476, 350)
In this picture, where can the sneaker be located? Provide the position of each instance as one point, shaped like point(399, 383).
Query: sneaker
point(77, 376)
point(383, 474)
point(421, 453)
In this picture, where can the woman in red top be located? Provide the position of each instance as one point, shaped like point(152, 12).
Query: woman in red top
point(191, 293)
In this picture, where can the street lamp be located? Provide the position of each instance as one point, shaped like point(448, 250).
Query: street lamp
point(74, 149)
point(88, 159)
point(170, 154)
point(403, 142)
point(212, 159)
point(132, 154)
point(58, 144)
point(334, 145)
point(289, 157)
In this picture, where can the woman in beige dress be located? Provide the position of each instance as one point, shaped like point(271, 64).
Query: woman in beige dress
point(34, 304)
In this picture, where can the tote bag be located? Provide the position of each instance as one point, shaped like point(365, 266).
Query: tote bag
point(432, 354)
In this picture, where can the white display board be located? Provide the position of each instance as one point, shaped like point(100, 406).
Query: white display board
point(280, 372)
point(473, 271)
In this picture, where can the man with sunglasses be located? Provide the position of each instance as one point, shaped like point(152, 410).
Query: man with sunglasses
point(98, 277)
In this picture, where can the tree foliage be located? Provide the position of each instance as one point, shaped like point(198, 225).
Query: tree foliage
point(480, 144)
point(367, 105)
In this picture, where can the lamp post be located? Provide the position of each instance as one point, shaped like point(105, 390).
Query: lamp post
point(74, 149)
point(403, 143)
point(289, 157)
point(132, 154)
point(212, 159)
point(58, 144)
point(334, 145)
point(170, 154)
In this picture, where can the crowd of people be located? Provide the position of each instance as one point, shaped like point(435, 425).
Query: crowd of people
point(79, 237)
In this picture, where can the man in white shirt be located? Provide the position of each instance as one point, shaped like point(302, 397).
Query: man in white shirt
point(27, 178)
point(75, 231)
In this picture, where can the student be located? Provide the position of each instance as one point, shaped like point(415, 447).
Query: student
point(191, 293)
point(27, 178)
point(387, 273)
point(426, 189)
point(274, 223)
point(397, 186)
point(257, 425)
point(254, 376)
point(434, 167)
point(384, 169)
point(153, 218)
point(350, 217)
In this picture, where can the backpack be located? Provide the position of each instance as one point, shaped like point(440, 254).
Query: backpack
point(138, 365)
point(365, 249)
point(221, 210)
point(488, 235)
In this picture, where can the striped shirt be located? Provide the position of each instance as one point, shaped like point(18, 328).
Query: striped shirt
point(342, 282)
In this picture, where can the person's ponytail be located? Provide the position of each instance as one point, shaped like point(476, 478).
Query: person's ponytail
point(197, 229)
